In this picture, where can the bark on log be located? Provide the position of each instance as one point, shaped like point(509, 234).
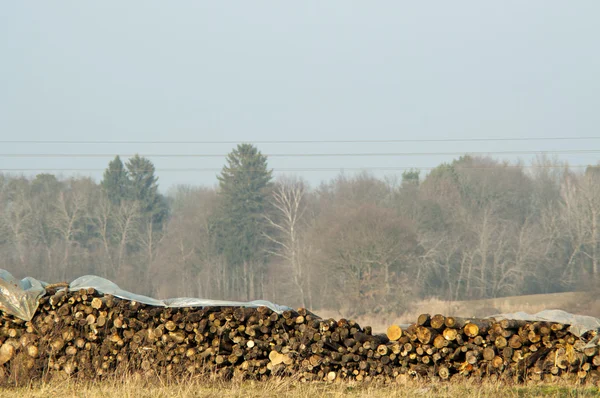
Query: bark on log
point(92, 335)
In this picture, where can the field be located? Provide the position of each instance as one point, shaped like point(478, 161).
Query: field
point(132, 387)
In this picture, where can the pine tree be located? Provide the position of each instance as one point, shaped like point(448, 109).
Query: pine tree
point(115, 181)
point(244, 188)
point(143, 187)
point(410, 177)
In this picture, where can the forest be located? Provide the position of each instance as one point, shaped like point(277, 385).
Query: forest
point(473, 228)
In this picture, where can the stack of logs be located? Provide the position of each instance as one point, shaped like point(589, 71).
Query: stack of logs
point(89, 335)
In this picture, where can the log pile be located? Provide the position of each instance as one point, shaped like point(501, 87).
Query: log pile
point(520, 350)
point(89, 335)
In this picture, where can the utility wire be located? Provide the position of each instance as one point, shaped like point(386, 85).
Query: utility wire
point(297, 155)
point(301, 141)
point(498, 167)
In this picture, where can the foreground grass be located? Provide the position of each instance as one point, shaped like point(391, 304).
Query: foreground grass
point(140, 388)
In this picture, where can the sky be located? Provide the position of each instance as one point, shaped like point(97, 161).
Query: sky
point(195, 77)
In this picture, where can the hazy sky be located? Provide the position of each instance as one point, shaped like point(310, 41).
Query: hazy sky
point(309, 70)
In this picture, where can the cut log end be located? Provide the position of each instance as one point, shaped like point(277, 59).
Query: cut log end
point(471, 329)
point(423, 320)
point(444, 373)
point(394, 332)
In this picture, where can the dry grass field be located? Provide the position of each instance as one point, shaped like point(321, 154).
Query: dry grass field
point(139, 388)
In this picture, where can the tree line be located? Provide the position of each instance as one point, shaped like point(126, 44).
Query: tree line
point(472, 228)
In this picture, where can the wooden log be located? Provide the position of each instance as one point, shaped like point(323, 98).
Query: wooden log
point(515, 342)
point(455, 322)
point(7, 351)
point(476, 327)
point(450, 334)
point(512, 324)
point(394, 332)
point(440, 342)
point(423, 320)
point(497, 362)
point(438, 321)
point(86, 333)
point(500, 342)
point(489, 353)
point(425, 335)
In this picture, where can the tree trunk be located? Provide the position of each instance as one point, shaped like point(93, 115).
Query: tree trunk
point(594, 243)
point(246, 280)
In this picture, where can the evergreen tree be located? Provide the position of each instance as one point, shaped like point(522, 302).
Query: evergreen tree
point(115, 181)
point(244, 188)
point(410, 177)
point(143, 187)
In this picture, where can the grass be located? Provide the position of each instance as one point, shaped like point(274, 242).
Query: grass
point(202, 387)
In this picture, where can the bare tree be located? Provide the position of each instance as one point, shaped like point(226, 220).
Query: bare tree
point(288, 200)
point(68, 212)
point(581, 211)
point(575, 220)
point(102, 217)
point(368, 251)
point(590, 196)
point(186, 260)
point(440, 265)
point(17, 219)
point(125, 223)
point(148, 239)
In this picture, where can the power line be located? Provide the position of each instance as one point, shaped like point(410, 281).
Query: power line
point(498, 167)
point(301, 141)
point(298, 155)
